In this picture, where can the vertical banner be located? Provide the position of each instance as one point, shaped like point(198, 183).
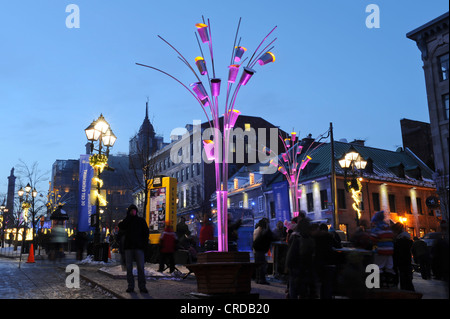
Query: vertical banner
point(281, 199)
point(85, 209)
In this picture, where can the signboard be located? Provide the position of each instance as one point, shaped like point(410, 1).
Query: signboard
point(85, 209)
point(162, 207)
point(281, 199)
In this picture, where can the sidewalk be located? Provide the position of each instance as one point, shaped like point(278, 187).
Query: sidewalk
point(112, 278)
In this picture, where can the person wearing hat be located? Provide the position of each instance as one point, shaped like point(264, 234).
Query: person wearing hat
point(383, 239)
point(135, 240)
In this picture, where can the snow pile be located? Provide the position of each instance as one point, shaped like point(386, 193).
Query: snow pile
point(119, 272)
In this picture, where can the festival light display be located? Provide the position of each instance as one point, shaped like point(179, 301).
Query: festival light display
point(209, 103)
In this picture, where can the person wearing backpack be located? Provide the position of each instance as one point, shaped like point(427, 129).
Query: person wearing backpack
point(167, 245)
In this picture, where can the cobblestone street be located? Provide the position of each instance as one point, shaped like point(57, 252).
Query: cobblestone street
point(46, 280)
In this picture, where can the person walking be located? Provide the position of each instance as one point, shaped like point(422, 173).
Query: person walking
point(135, 232)
point(167, 244)
point(383, 241)
point(80, 244)
point(324, 261)
point(206, 232)
point(262, 239)
point(402, 256)
point(421, 256)
point(299, 261)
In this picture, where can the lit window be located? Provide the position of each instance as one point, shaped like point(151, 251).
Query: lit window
point(248, 127)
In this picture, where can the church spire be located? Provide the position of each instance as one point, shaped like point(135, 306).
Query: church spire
point(146, 109)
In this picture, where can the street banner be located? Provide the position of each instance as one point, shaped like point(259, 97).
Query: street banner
point(85, 209)
point(281, 198)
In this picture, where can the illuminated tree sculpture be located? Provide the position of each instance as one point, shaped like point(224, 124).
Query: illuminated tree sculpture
point(290, 166)
point(218, 148)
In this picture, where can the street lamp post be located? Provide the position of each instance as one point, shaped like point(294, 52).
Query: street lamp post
point(352, 162)
point(99, 131)
point(32, 193)
point(3, 210)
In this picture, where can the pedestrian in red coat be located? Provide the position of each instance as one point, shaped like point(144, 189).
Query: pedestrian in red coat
point(167, 247)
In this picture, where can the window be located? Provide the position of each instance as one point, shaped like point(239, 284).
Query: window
point(248, 126)
point(309, 202)
point(445, 104)
point(443, 67)
point(421, 232)
point(260, 204)
point(241, 204)
point(341, 199)
point(272, 209)
point(252, 178)
point(187, 173)
point(419, 206)
point(193, 195)
point(376, 201)
point(324, 199)
point(408, 205)
point(392, 207)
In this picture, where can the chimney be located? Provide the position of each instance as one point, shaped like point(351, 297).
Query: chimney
point(358, 142)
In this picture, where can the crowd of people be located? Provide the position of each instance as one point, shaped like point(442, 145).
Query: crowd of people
point(313, 262)
point(317, 268)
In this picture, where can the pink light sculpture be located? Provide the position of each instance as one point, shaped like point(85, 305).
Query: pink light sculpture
point(290, 166)
point(210, 102)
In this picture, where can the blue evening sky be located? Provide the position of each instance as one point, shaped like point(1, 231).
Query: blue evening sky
point(329, 68)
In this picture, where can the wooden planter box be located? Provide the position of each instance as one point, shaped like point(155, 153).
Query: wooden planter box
point(223, 272)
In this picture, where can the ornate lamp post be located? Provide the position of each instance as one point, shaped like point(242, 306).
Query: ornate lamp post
point(353, 163)
point(99, 132)
point(30, 194)
point(218, 148)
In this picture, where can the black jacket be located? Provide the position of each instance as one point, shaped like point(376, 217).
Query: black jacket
point(134, 229)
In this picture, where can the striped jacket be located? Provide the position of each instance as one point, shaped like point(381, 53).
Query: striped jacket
point(383, 239)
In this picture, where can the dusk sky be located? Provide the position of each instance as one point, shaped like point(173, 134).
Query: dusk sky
point(330, 67)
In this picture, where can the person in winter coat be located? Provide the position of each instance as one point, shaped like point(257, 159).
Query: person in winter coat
point(402, 256)
point(421, 255)
point(135, 240)
point(167, 244)
point(324, 261)
point(299, 261)
point(262, 239)
point(383, 240)
point(206, 231)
